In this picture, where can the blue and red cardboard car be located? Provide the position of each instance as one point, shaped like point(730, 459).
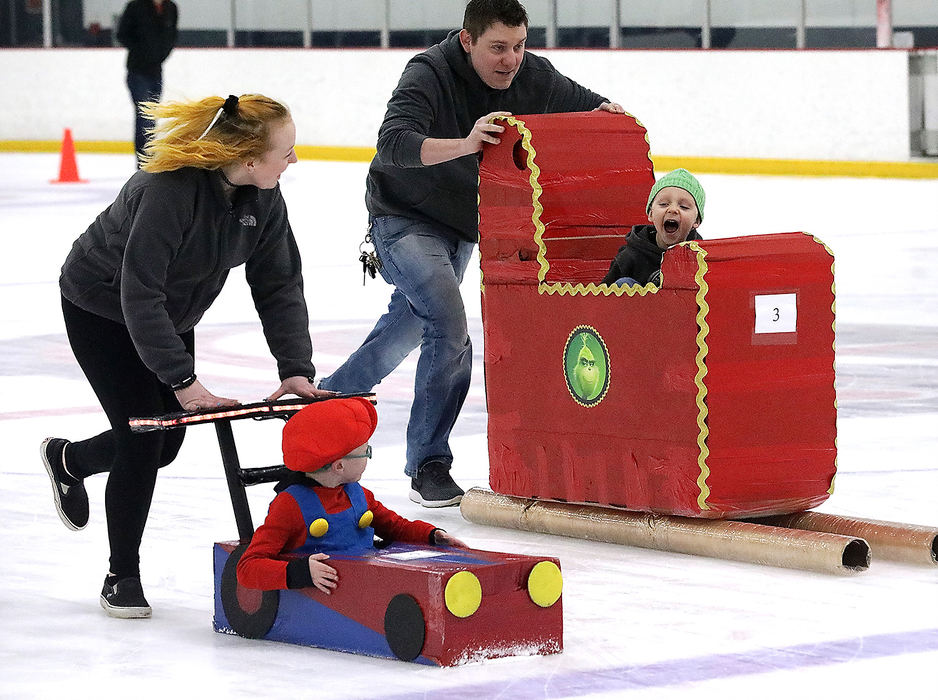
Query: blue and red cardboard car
point(431, 605)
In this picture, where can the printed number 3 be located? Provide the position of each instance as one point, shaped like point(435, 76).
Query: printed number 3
point(776, 313)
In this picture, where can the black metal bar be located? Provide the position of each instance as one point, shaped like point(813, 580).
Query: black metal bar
point(236, 477)
point(263, 475)
point(239, 498)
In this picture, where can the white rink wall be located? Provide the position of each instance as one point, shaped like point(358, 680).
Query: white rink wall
point(816, 105)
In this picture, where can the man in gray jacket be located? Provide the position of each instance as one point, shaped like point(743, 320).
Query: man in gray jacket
point(422, 192)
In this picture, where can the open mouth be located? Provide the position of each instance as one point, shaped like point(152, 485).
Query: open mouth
point(671, 226)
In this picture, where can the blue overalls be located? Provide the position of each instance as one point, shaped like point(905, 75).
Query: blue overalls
point(346, 530)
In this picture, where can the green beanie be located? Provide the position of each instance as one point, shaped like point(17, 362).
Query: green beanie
point(687, 182)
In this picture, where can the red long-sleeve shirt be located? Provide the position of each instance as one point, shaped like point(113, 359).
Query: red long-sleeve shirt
point(284, 529)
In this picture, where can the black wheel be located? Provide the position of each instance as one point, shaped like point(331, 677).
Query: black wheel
point(251, 613)
point(405, 627)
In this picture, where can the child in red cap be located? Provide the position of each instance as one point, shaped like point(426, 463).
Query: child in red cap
point(322, 507)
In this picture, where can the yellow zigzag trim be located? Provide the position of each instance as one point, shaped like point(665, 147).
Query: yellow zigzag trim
point(479, 228)
point(536, 191)
point(703, 330)
point(605, 290)
point(830, 491)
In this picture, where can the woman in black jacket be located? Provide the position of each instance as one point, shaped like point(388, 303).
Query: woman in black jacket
point(138, 280)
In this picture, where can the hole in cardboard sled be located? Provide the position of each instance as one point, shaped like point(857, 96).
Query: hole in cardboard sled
point(519, 156)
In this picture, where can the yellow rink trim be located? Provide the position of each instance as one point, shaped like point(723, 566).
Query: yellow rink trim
point(920, 169)
point(55, 146)
point(804, 168)
point(354, 154)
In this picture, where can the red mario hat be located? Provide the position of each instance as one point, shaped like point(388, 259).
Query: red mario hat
point(324, 431)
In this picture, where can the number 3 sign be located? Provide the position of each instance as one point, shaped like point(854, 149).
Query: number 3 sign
point(776, 313)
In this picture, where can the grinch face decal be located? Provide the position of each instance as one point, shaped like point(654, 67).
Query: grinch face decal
point(586, 366)
point(585, 371)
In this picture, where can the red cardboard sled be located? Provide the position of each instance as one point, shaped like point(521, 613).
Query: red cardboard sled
point(710, 397)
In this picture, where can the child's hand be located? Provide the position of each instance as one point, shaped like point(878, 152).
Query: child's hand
point(445, 539)
point(325, 578)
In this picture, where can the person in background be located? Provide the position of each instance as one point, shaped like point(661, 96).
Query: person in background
point(421, 195)
point(147, 28)
point(322, 507)
point(138, 280)
point(675, 210)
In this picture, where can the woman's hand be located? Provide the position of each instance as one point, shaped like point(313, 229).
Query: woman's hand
point(325, 578)
point(299, 386)
point(196, 396)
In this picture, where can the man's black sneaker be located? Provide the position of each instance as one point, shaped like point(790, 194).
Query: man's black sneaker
point(124, 598)
point(71, 499)
point(433, 487)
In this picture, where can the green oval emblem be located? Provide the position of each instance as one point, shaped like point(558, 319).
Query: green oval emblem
point(586, 366)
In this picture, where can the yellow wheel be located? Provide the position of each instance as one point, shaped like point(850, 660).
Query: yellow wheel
point(545, 583)
point(463, 594)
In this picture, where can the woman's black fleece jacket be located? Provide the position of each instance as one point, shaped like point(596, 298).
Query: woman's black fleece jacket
point(159, 255)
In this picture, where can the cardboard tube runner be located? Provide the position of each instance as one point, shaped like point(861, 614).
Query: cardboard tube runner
point(723, 539)
point(910, 544)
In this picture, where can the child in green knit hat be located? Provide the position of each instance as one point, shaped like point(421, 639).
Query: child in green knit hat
point(675, 210)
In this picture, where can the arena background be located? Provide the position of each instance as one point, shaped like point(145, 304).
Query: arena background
point(639, 624)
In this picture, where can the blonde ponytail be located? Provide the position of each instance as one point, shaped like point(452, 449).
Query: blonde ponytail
point(209, 133)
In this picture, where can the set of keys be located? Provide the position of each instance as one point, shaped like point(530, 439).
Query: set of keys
point(369, 260)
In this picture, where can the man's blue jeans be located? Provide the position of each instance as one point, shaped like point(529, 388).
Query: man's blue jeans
point(143, 88)
point(426, 309)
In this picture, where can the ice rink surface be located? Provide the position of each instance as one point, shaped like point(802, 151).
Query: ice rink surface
point(638, 623)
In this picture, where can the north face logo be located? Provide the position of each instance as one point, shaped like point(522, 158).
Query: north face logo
point(248, 220)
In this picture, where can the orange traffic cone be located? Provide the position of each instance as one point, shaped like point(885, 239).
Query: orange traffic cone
point(68, 168)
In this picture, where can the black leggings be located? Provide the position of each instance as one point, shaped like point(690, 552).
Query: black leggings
point(125, 388)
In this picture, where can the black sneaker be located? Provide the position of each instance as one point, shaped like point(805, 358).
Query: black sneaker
point(433, 487)
point(124, 598)
point(71, 499)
